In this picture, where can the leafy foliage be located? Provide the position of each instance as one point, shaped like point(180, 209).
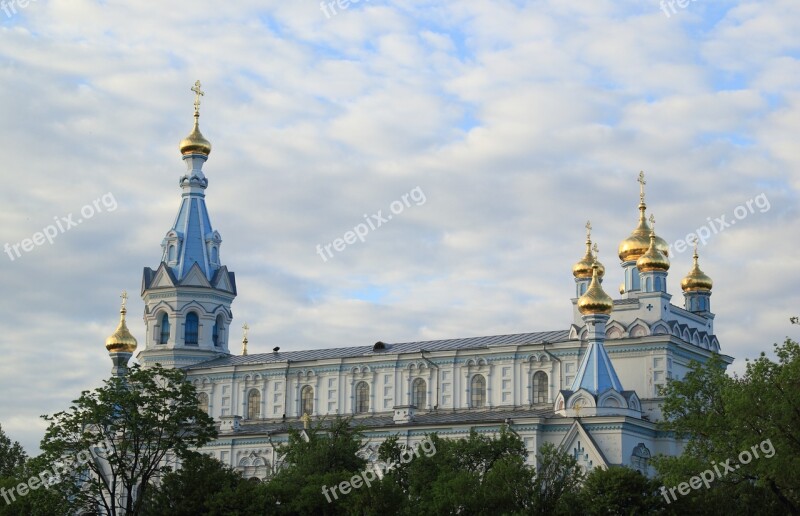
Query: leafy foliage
point(724, 417)
point(113, 442)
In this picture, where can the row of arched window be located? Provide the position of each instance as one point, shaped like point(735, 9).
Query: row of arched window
point(418, 395)
point(191, 330)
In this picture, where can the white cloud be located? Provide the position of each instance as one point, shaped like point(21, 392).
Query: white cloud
point(519, 120)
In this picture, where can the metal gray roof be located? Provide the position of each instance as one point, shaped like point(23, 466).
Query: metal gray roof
point(391, 349)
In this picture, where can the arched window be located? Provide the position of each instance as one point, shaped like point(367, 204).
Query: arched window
point(478, 391)
point(307, 400)
point(214, 255)
point(362, 398)
point(253, 404)
point(418, 393)
point(216, 333)
point(172, 252)
point(540, 387)
point(192, 326)
point(164, 336)
point(202, 401)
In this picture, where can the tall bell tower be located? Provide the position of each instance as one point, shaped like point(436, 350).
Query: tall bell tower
point(188, 297)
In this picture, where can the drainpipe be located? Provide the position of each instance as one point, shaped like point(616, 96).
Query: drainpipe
point(286, 390)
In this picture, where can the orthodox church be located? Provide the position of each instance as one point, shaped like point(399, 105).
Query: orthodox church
point(592, 388)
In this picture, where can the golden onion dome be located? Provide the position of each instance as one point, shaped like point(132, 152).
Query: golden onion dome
point(595, 300)
point(653, 259)
point(696, 280)
point(195, 143)
point(121, 340)
point(633, 247)
point(583, 269)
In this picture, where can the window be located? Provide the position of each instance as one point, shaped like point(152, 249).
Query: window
point(478, 391)
point(172, 252)
point(216, 333)
point(540, 387)
point(418, 394)
point(214, 255)
point(253, 404)
point(192, 325)
point(202, 401)
point(362, 398)
point(164, 337)
point(307, 400)
point(640, 459)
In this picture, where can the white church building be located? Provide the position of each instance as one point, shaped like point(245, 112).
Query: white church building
point(591, 388)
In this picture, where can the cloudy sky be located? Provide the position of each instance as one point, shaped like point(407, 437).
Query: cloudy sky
point(514, 121)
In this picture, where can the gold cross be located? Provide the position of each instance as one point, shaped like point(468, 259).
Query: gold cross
point(642, 182)
point(653, 221)
point(245, 327)
point(124, 297)
point(595, 249)
point(588, 230)
point(197, 94)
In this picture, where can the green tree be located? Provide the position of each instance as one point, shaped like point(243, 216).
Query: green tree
point(43, 500)
point(12, 456)
point(750, 419)
point(322, 456)
point(620, 491)
point(113, 442)
point(204, 485)
point(558, 479)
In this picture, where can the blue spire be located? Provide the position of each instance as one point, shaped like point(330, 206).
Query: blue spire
point(192, 240)
point(596, 373)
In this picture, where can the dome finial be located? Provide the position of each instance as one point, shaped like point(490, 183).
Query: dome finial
point(583, 269)
point(245, 327)
point(642, 182)
point(196, 143)
point(121, 339)
point(696, 280)
point(637, 243)
point(654, 259)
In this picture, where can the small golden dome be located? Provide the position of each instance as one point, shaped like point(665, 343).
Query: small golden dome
point(653, 259)
point(696, 280)
point(595, 300)
point(195, 143)
point(583, 269)
point(633, 247)
point(121, 339)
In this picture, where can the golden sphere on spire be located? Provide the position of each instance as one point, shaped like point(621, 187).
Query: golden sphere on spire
point(696, 280)
point(595, 300)
point(638, 242)
point(196, 143)
point(583, 269)
point(653, 259)
point(121, 339)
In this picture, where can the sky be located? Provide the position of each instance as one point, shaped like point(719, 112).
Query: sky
point(491, 131)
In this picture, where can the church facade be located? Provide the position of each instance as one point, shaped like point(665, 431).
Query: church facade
point(592, 388)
